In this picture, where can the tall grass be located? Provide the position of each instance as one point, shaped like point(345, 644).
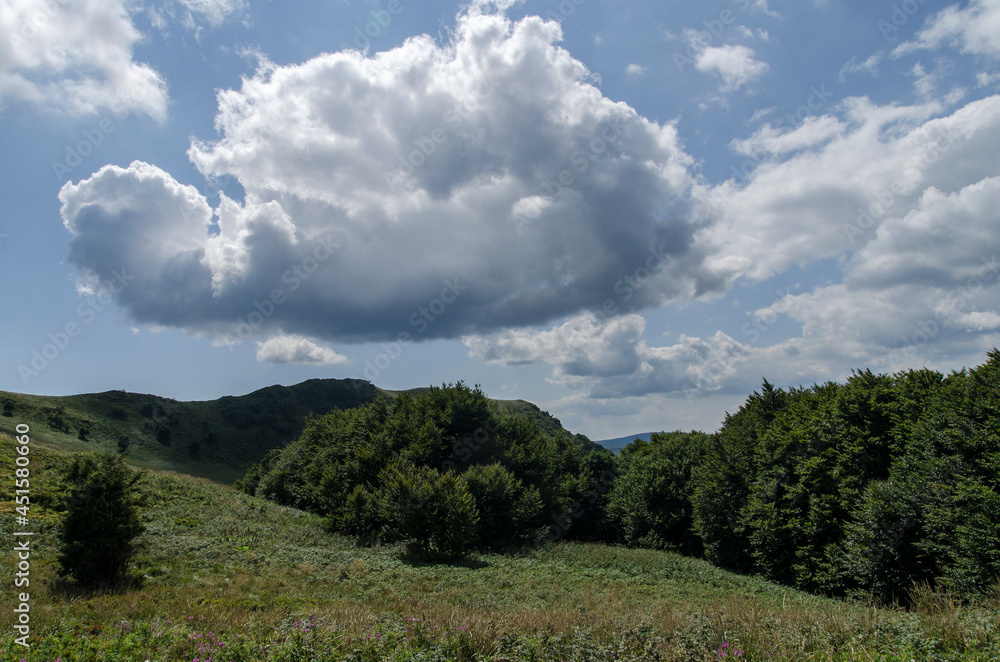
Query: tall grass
point(228, 577)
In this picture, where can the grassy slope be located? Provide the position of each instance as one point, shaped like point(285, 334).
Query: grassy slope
point(234, 577)
point(215, 439)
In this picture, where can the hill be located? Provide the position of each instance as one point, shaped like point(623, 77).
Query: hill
point(216, 439)
point(227, 576)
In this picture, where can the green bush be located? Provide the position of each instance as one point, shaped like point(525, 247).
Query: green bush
point(509, 512)
point(433, 513)
point(650, 502)
point(101, 525)
point(58, 421)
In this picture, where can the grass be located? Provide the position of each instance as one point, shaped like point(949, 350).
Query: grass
point(228, 577)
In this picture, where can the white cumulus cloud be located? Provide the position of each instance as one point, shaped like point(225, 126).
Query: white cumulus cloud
point(76, 57)
point(489, 160)
point(296, 349)
point(735, 64)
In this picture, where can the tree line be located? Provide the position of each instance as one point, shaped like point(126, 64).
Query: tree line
point(858, 488)
point(862, 488)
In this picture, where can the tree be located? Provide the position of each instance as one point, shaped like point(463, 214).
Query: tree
point(102, 523)
point(509, 512)
point(722, 481)
point(433, 513)
point(650, 501)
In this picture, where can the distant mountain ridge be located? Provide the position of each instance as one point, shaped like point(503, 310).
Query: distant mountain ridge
point(216, 439)
point(615, 445)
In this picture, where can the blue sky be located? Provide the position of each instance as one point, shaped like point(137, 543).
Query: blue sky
point(627, 213)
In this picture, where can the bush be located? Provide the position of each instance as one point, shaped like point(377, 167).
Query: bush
point(433, 513)
point(58, 421)
point(359, 517)
point(509, 512)
point(99, 531)
point(650, 501)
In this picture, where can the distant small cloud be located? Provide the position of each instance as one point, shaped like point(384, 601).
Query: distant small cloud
point(869, 66)
point(736, 64)
point(984, 79)
point(635, 69)
point(296, 349)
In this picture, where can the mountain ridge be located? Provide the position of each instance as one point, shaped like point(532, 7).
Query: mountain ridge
point(618, 443)
point(216, 439)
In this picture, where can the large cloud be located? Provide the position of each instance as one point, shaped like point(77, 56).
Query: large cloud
point(822, 189)
point(908, 202)
point(488, 165)
point(75, 56)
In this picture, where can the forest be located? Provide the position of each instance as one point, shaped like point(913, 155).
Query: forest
point(868, 488)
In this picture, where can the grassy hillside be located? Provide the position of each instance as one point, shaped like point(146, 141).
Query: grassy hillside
point(215, 439)
point(547, 423)
point(226, 577)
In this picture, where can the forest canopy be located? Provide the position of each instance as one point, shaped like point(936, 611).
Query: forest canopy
point(866, 487)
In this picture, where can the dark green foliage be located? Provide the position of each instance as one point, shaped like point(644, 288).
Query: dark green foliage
point(722, 482)
point(650, 502)
point(509, 512)
point(83, 432)
point(123, 444)
point(517, 478)
point(99, 530)
point(433, 513)
point(164, 435)
point(58, 421)
point(874, 485)
point(8, 408)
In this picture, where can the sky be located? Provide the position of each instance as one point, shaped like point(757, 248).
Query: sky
point(628, 213)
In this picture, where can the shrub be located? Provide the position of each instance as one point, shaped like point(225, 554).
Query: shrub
point(99, 531)
point(509, 512)
point(58, 421)
point(433, 513)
